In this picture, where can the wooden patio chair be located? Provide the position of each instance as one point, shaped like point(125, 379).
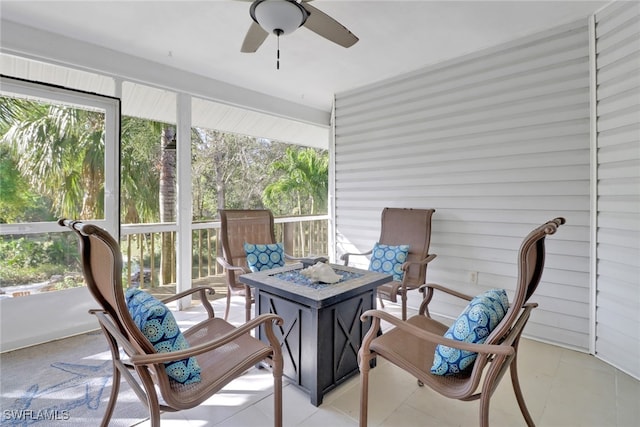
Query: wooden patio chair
point(237, 227)
point(411, 344)
point(402, 226)
point(220, 351)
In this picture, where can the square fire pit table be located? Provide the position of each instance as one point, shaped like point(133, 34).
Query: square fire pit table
point(322, 331)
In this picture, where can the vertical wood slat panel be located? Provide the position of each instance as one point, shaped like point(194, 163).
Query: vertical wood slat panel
point(497, 142)
point(618, 216)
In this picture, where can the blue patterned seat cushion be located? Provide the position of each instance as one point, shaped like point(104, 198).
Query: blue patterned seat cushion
point(479, 318)
point(388, 259)
point(264, 257)
point(157, 323)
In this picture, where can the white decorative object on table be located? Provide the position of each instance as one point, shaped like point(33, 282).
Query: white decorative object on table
point(321, 272)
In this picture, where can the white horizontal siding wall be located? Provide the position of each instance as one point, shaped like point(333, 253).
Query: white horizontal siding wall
point(498, 143)
point(618, 186)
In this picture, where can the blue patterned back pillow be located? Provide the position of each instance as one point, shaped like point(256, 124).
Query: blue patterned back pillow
point(264, 257)
point(388, 259)
point(474, 325)
point(157, 323)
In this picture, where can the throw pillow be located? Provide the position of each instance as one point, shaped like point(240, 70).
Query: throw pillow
point(157, 323)
point(479, 318)
point(264, 257)
point(388, 259)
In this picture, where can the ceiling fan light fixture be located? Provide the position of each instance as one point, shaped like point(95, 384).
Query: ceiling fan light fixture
point(278, 16)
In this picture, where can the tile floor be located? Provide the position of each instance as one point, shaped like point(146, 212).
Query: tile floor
point(562, 388)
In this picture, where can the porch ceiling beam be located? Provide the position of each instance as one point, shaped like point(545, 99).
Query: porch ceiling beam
point(41, 45)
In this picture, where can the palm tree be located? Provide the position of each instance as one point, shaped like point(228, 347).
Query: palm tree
point(59, 152)
point(167, 199)
point(140, 173)
point(304, 175)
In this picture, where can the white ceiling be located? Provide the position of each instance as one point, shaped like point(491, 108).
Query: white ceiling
point(204, 37)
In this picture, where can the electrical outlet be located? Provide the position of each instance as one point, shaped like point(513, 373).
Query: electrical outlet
point(473, 277)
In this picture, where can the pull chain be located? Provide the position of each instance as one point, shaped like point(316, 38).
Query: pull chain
point(278, 32)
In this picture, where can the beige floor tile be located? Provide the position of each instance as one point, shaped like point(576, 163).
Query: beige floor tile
point(562, 388)
point(447, 411)
point(251, 416)
point(537, 357)
point(328, 416)
point(569, 404)
point(534, 388)
point(388, 388)
point(296, 406)
point(408, 416)
point(627, 400)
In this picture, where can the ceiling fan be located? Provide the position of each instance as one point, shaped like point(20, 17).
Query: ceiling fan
point(282, 17)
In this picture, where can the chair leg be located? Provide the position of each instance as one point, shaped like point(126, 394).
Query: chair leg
point(152, 402)
point(247, 303)
point(518, 392)
point(154, 416)
point(113, 396)
point(484, 409)
point(277, 398)
point(226, 310)
point(403, 297)
point(364, 390)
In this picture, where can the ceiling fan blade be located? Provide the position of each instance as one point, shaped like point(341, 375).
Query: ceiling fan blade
point(324, 25)
point(254, 38)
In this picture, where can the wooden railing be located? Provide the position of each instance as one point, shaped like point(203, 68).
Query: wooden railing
point(142, 244)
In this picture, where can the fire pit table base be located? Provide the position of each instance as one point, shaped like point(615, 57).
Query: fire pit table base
point(322, 331)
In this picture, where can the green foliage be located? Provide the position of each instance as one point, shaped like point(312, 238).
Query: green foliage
point(52, 165)
point(35, 259)
point(26, 262)
point(230, 171)
point(24, 252)
point(302, 186)
point(140, 171)
point(68, 282)
point(18, 203)
point(59, 153)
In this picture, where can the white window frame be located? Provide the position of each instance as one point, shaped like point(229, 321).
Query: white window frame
point(10, 86)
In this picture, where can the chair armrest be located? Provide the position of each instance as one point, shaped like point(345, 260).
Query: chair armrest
point(430, 287)
point(203, 290)
point(423, 335)
point(427, 291)
point(267, 319)
point(345, 257)
point(406, 265)
point(114, 332)
point(428, 259)
point(223, 262)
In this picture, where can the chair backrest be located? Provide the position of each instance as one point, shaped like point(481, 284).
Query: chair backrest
point(240, 226)
point(102, 268)
point(531, 256)
point(405, 226)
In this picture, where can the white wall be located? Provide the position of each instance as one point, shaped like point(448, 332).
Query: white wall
point(498, 143)
point(618, 186)
point(37, 318)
